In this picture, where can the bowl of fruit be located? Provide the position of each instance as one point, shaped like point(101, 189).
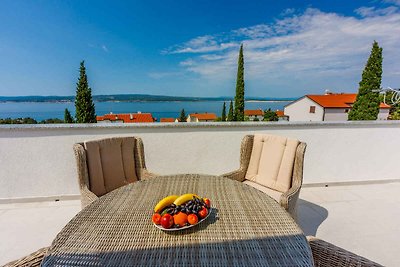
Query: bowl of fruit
point(174, 213)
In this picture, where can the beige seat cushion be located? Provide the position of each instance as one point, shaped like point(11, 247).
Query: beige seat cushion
point(272, 160)
point(270, 192)
point(111, 163)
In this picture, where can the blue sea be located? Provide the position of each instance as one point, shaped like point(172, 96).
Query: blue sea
point(44, 110)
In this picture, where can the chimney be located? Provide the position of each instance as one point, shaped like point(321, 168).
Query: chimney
point(131, 116)
point(139, 112)
point(328, 92)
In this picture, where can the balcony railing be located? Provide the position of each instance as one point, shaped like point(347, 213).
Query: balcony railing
point(37, 161)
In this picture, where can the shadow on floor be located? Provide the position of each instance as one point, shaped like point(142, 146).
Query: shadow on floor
point(310, 216)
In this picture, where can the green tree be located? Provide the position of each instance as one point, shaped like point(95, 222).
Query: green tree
point(84, 106)
point(390, 98)
point(270, 115)
point(223, 115)
point(182, 117)
point(230, 112)
point(28, 120)
point(367, 102)
point(51, 121)
point(68, 117)
point(239, 97)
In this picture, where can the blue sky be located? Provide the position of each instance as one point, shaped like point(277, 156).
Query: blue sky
point(190, 48)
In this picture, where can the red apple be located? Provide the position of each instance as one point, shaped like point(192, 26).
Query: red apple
point(203, 213)
point(167, 221)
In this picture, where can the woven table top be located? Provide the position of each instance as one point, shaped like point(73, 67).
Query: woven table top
point(246, 228)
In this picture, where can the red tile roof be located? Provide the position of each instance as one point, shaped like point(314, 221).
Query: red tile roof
point(253, 112)
point(167, 120)
point(337, 100)
point(127, 118)
point(280, 113)
point(204, 116)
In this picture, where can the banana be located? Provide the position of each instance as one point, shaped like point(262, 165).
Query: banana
point(164, 203)
point(184, 198)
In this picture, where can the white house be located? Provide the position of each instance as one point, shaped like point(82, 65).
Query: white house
point(254, 114)
point(201, 117)
point(328, 107)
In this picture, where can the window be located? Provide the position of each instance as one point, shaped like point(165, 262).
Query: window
point(312, 109)
point(346, 110)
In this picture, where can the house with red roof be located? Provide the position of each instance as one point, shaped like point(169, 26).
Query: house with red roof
point(126, 118)
point(254, 114)
point(281, 115)
point(327, 107)
point(201, 117)
point(168, 120)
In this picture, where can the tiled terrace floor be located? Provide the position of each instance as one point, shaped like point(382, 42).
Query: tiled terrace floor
point(364, 219)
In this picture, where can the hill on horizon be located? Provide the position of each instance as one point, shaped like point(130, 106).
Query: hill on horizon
point(133, 98)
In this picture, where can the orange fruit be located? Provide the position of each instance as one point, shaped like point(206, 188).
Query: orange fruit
point(192, 219)
point(180, 219)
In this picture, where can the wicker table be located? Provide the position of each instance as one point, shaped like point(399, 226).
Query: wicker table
point(245, 228)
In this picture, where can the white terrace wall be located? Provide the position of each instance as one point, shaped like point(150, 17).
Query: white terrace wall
point(38, 161)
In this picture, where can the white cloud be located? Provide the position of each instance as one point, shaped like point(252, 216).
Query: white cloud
point(394, 2)
point(104, 47)
point(97, 47)
point(373, 11)
point(314, 49)
point(288, 11)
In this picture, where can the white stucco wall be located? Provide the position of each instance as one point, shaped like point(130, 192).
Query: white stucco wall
point(38, 161)
point(300, 110)
point(339, 114)
point(252, 117)
point(383, 114)
point(336, 114)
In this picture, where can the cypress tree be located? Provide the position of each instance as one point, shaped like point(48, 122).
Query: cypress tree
point(84, 106)
point(223, 115)
point(239, 98)
point(367, 102)
point(68, 117)
point(230, 112)
point(182, 117)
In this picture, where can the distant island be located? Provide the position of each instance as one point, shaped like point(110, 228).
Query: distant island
point(132, 98)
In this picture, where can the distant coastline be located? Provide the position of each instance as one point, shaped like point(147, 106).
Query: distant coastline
point(133, 98)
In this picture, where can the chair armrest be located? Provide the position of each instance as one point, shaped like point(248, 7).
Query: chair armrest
point(34, 259)
point(237, 175)
point(326, 254)
point(87, 196)
point(289, 198)
point(145, 174)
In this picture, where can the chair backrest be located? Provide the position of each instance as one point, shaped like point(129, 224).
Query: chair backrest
point(110, 163)
point(272, 160)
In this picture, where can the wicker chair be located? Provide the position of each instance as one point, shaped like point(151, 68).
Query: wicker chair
point(328, 255)
point(32, 260)
point(288, 197)
point(106, 164)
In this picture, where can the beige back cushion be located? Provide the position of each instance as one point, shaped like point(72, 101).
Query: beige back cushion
point(272, 160)
point(111, 163)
